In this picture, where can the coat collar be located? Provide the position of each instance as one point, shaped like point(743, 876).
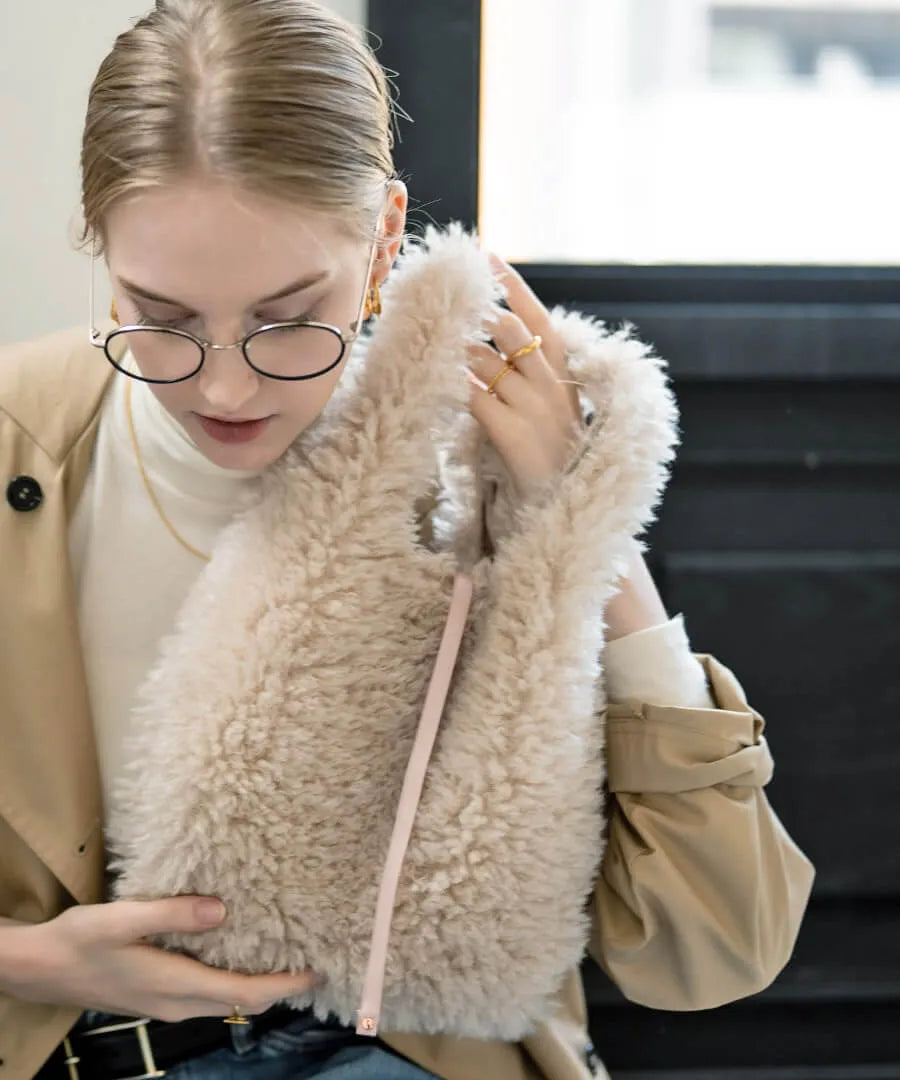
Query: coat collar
point(52, 388)
point(51, 393)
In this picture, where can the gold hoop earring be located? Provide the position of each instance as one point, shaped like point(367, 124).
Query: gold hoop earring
point(373, 301)
point(114, 312)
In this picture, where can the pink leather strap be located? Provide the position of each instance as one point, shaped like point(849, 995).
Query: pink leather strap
point(411, 792)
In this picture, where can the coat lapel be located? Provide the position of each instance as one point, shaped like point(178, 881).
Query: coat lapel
point(50, 397)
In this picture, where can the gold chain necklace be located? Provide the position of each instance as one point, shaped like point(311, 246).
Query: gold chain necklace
point(149, 487)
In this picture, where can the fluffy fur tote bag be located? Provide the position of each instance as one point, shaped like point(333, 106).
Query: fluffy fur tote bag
point(269, 748)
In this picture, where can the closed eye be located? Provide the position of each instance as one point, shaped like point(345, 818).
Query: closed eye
point(178, 323)
point(182, 322)
point(307, 316)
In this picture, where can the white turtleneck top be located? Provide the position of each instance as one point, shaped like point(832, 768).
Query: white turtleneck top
point(131, 575)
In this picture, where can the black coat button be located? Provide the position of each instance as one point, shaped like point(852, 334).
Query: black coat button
point(24, 493)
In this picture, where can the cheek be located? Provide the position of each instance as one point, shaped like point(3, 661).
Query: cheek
point(174, 399)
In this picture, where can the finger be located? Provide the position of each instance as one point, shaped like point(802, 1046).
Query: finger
point(126, 921)
point(525, 303)
point(254, 993)
point(510, 335)
point(539, 388)
point(535, 317)
point(512, 389)
point(496, 417)
point(183, 977)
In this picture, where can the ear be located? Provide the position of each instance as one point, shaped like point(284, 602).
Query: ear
point(393, 231)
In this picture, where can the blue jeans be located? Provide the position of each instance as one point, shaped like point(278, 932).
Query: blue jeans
point(302, 1048)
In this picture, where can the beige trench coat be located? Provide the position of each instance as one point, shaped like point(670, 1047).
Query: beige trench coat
point(701, 891)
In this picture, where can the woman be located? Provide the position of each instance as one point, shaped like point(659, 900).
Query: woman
point(237, 176)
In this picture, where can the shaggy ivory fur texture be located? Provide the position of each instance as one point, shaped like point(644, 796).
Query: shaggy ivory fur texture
point(269, 750)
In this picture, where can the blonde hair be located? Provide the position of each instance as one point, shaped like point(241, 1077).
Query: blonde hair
point(279, 97)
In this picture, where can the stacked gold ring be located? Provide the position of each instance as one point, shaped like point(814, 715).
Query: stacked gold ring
point(510, 361)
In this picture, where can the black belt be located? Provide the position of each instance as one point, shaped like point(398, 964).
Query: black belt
point(127, 1049)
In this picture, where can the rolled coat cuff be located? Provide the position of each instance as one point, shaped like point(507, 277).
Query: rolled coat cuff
point(670, 749)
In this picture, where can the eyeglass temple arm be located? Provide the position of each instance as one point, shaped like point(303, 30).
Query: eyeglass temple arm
point(94, 335)
point(356, 325)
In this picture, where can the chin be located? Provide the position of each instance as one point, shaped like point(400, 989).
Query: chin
point(242, 457)
point(253, 455)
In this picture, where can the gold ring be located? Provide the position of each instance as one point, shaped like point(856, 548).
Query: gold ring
point(507, 368)
point(236, 1017)
point(536, 342)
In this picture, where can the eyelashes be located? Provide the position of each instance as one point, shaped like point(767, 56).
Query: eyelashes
point(143, 319)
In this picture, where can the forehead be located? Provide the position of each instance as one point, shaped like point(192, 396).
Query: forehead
point(205, 242)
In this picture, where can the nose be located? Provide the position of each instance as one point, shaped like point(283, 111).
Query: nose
point(226, 381)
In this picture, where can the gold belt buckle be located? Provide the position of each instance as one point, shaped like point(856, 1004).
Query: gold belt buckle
point(139, 1027)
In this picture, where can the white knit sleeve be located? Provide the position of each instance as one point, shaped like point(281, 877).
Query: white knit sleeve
point(656, 667)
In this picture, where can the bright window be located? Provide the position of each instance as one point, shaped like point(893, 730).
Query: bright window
point(692, 131)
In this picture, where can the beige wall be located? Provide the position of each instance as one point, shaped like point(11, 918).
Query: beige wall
point(49, 50)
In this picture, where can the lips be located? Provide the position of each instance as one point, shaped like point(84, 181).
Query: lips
point(233, 431)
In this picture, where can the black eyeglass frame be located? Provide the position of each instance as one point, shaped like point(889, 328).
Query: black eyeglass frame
point(102, 341)
point(204, 346)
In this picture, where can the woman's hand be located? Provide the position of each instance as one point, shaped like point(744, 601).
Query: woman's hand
point(532, 417)
point(93, 957)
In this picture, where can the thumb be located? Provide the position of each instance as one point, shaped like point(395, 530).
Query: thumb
point(125, 921)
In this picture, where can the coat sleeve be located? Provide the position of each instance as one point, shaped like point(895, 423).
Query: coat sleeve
point(701, 891)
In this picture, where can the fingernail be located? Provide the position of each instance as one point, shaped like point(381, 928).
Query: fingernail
point(319, 981)
point(473, 378)
point(210, 911)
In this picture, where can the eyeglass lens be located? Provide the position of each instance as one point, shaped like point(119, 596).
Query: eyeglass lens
point(282, 352)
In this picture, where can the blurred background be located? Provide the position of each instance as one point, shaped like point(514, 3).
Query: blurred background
point(691, 131)
point(724, 175)
point(49, 53)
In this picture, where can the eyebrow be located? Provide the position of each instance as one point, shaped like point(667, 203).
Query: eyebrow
point(301, 285)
